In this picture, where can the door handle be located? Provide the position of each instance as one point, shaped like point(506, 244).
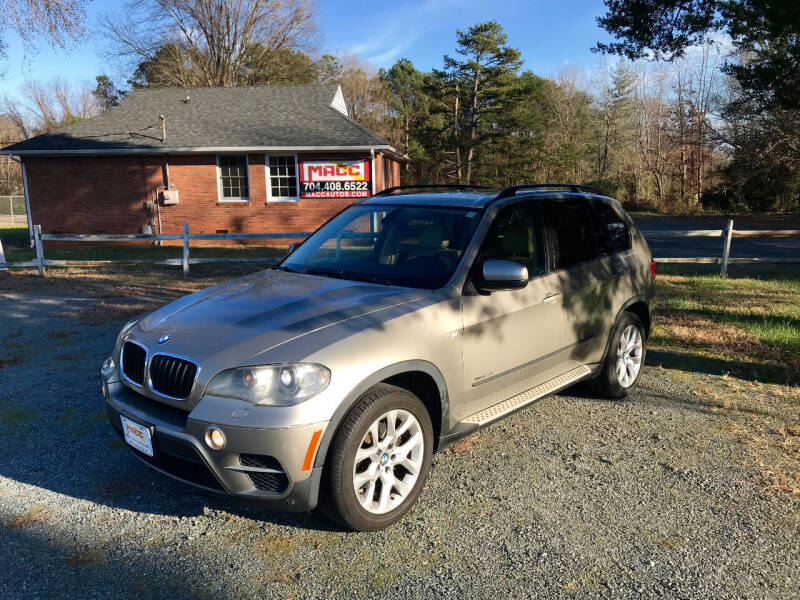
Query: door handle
point(549, 297)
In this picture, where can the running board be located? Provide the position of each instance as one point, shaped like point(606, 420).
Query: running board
point(500, 410)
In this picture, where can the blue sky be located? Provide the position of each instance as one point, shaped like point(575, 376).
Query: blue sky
point(548, 32)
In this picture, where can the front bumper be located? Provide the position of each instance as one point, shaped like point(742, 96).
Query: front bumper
point(267, 466)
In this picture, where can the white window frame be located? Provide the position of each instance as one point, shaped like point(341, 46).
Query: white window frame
point(270, 197)
point(222, 198)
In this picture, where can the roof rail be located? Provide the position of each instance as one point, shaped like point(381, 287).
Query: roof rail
point(451, 186)
point(573, 187)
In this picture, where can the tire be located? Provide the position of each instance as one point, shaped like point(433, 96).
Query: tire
point(347, 484)
point(609, 382)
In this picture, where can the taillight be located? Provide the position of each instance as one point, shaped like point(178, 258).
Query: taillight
point(653, 267)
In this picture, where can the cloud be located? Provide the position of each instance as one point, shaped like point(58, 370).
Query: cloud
point(404, 26)
point(391, 54)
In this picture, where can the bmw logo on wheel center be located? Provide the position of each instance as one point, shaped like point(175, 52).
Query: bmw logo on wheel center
point(164, 339)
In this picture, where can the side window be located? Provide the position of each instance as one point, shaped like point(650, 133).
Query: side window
point(571, 234)
point(615, 235)
point(516, 236)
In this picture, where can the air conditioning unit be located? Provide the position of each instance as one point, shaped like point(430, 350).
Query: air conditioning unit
point(170, 197)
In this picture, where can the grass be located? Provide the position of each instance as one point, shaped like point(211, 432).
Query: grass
point(736, 343)
point(750, 323)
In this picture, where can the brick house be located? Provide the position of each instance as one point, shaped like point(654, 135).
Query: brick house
point(256, 159)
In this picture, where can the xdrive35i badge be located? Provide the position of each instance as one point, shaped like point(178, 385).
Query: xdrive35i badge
point(164, 339)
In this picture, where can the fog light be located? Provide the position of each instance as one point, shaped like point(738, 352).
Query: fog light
point(215, 439)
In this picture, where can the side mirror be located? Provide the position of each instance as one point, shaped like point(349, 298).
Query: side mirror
point(292, 247)
point(498, 275)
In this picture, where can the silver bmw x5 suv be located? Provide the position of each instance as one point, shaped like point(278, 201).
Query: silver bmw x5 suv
point(413, 318)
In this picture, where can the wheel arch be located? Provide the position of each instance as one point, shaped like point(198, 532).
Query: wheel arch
point(638, 305)
point(641, 308)
point(419, 377)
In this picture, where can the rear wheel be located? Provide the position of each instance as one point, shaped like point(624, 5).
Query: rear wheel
point(379, 459)
point(624, 359)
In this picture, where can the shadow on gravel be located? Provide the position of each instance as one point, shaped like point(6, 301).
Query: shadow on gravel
point(75, 569)
point(670, 359)
point(55, 430)
point(115, 478)
point(691, 401)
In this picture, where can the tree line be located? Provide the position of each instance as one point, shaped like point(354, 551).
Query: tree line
point(698, 126)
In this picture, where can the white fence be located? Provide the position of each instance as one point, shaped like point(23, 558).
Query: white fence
point(12, 210)
point(727, 235)
point(41, 262)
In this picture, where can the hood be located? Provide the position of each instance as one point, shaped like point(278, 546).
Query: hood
point(236, 320)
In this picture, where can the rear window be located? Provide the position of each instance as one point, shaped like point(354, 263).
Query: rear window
point(615, 235)
point(571, 234)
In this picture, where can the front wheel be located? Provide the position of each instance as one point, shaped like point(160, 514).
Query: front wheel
point(379, 460)
point(624, 360)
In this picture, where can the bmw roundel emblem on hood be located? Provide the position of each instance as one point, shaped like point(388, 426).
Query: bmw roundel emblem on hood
point(164, 339)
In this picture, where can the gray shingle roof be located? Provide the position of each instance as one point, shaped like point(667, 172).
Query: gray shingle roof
point(257, 118)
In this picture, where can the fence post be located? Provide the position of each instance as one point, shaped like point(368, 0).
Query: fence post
point(185, 249)
point(726, 249)
point(37, 239)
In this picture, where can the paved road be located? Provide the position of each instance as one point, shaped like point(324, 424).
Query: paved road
point(574, 497)
point(740, 247)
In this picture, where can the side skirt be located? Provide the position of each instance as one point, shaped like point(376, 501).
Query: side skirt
point(503, 409)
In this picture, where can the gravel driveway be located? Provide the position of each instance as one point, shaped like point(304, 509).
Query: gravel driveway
point(573, 497)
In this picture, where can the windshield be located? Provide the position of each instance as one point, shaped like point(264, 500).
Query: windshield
point(410, 246)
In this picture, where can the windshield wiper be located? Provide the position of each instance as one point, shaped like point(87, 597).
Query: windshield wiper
point(285, 268)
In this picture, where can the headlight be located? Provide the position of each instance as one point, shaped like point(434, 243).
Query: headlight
point(108, 367)
point(276, 385)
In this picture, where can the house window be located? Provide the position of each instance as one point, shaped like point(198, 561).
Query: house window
point(233, 178)
point(282, 177)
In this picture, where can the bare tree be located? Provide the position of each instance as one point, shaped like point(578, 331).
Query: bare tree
point(652, 114)
point(365, 94)
point(17, 126)
point(211, 43)
point(57, 20)
point(45, 106)
point(10, 172)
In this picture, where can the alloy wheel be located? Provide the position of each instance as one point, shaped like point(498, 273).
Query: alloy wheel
point(629, 356)
point(388, 461)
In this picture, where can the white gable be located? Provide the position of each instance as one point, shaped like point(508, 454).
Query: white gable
point(338, 101)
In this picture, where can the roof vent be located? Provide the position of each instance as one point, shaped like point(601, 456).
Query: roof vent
point(187, 100)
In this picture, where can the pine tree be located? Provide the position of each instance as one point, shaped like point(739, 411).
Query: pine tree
point(484, 76)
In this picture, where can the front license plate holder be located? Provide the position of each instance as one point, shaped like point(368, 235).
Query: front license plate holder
point(138, 436)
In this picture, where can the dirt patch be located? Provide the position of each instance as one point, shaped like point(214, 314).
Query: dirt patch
point(272, 545)
point(763, 419)
point(94, 557)
point(35, 514)
point(464, 444)
point(105, 311)
point(14, 417)
point(9, 360)
point(60, 335)
point(117, 487)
